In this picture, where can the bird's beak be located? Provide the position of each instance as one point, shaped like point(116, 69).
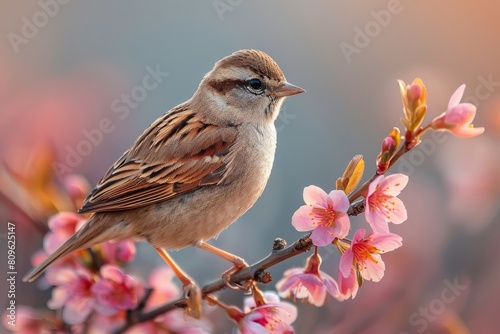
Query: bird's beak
point(287, 89)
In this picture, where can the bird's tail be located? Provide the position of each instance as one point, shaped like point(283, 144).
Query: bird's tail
point(87, 236)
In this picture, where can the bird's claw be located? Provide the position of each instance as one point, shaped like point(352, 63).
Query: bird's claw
point(226, 276)
point(193, 296)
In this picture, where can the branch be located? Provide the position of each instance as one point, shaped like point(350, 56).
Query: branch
point(254, 272)
point(355, 195)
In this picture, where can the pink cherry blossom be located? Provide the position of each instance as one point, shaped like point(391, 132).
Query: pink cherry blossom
point(73, 294)
point(119, 252)
point(161, 281)
point(348, 286)
point(115, 291)
point(274, 316)
point(62, 226)
point(308, 283)
point(77, 188)
point(458, 118)
point(323, 213)
point(382, 205)
point(364, 254)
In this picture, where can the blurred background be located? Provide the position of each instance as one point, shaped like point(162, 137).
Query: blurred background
point(65, 73)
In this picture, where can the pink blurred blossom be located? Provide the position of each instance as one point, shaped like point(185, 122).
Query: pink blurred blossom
point(274, 316)
point(119, 252)
point(73, 294)
point(382, 205)
point(115, 291)
point(323, 213)
point(77, 187)
point(161, 281)
point(62, 226)
point(308, 283)
point(473, 184)
point(364, 254)
point(458, 117)
point(27, 321)
point(103, 324)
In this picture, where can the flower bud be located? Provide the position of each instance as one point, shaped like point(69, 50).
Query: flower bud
point(414, 103)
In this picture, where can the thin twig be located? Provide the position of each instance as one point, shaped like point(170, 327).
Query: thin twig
point(358, 193)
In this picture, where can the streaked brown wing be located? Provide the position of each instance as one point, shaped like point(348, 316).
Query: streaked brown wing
point(175, 155)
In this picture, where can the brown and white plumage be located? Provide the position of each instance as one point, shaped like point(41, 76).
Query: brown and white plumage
point(197, 168)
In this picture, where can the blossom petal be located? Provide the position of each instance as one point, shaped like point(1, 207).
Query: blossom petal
point(342, 224)
point(373, 185)
point(373, 271)
point(314, 195)
point(331, 286)
point(59, 297)
point(456, 97)
point(340, 200)
point(283, 286)
point(392, 185)
point(77, 311)
point(376, 221)
point(359, 235)
point(301, 219)
point(386, 242)
point(346, 261)
point(348, 286)
point(322, 236)
point(316, 289)
point(112, 272)
point(467, 132)
point(291, 312)
point(398, 214)
point(460, 115)
point(63, 220)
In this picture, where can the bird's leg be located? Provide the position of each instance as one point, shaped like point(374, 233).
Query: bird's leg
point(238, 262)
point(192, 292)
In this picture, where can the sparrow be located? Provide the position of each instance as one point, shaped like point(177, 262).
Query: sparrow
point(195, 170)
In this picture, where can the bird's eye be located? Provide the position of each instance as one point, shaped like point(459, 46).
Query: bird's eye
point(255, 85)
